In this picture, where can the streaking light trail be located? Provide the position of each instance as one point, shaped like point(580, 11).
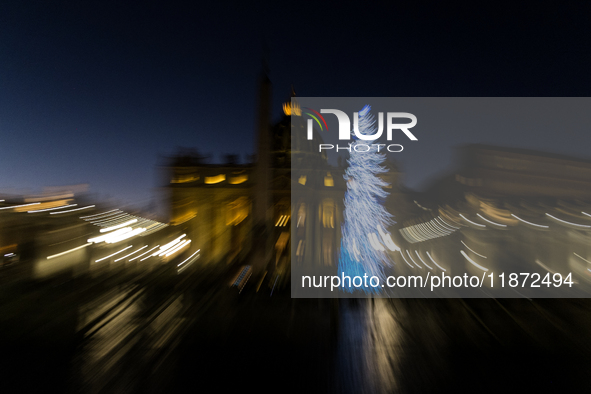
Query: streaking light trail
point(438, 266)
point(477, 254)
point(473, 262)
point(19, 206)
point(571, 223)
point(143, 254)
point(404, 258)
point(111, 255)
point(410, 257)
point(72, 210)
point(68, 251)
point(490, 221)
point(525, 221)
point(471, 222)
point(126, 256)
point(423, 261)
point(53, 209)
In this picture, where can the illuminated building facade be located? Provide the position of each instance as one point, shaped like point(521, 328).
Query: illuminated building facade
point(243, 212)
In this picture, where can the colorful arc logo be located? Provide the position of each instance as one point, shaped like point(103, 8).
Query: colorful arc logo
point(316, 118)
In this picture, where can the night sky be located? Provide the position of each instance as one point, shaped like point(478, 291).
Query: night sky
point(99, 92)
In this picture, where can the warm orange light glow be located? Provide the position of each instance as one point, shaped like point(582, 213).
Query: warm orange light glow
point(302, 180)
point(328, 180)
point(282, 221)
point(182, 219)
point(292, 109)
point(185, 178)
point(45, 205)
point(328, 212)
point(210, 180)
point(236, 180)
point(8, 248)
point(238, 210)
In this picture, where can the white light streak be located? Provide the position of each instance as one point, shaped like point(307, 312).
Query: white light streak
point(423, 261)
point(158, 227)
point(404, 258)
point(415, 234)
point(387, 239)
point(126, 256)
point(373, 240)
point(111, 255)
point(177, 248)
point(124, 236)
point(110, 235)
point(113, 219)
point(143, 254)
point(68, 251)
point(427, 230)
point(538, 262)
point(525, 221)
point(446, 223)
point(581, 257)
point(190, 262)
point(564, 221)
point(23, 205)
point(490, 221)
point(98, 214)
point(189, 258)
point(438, 266)
point(174, 248)
point(410, 257)
point(53, 209)
point(108, 217)
point(451, 220)
point(474, 223)
point(439, 228)
point(473, 262)
point(169, 245)
point(406, 237)
point(104, 230)
point(477, 254)
point(71, 210)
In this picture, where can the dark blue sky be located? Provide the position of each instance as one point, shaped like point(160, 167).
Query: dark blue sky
point(97, 92)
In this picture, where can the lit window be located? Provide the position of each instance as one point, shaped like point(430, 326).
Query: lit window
point(185, 178)
point(236, 180)
point(210, 180)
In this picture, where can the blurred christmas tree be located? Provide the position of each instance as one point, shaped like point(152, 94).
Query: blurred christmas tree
point(365, 218)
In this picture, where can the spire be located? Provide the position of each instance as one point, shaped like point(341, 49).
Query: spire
point(291, 107)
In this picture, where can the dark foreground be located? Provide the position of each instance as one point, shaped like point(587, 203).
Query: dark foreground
point(161, 333)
